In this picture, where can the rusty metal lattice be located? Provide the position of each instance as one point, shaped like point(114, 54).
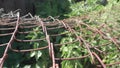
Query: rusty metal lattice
point(27, 23)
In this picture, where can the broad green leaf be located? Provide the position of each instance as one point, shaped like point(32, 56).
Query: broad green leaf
point(33, 53)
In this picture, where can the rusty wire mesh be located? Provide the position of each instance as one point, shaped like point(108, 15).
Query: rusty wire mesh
point(20, 23)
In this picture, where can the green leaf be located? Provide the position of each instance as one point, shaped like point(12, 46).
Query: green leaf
point(27, 66)
point(33, 53)
point(37, 66)
point(39, 54)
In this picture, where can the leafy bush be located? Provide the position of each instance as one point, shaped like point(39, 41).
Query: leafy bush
point(52, 8)
point(83, 7)
point(41, 56)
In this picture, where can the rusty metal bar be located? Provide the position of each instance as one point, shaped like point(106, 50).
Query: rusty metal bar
point(3, 44)
point(9, 43)
point(19, 40)
point(98, 58)
point(53, 56)
point(7, 28)
point(6, 34)
point(73, 58)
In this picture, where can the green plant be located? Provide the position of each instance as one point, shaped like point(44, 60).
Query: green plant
point(83, 7)
point(40, 58)
point(72, 50)
point(52, 7)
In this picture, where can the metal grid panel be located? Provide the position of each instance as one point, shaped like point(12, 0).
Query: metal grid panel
point(16, 24)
